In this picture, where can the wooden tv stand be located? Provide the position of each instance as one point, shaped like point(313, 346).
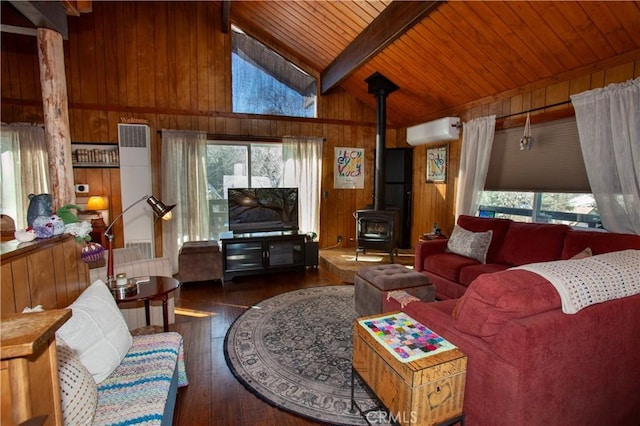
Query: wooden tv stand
point(255, 253)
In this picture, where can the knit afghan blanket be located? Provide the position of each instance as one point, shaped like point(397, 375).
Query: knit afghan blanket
point(584, 282)
point(136, 392)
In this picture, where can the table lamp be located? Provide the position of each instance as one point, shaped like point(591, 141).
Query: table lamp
point(95, 204)
point(160, 210)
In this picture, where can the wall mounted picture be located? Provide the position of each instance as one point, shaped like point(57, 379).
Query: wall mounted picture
point(437, 161)
point(348, 168)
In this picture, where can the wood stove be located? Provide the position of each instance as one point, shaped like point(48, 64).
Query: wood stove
point(377, 230)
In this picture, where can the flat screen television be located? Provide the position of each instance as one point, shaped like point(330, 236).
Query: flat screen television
point(263, 209)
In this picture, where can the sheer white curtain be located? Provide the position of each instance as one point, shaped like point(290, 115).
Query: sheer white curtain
point(24, 169)
point(609, 130)
point(477, 140)
point(302, 158)
point(184, 182)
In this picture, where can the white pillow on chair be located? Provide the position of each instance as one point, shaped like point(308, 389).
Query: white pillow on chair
point(97, 332)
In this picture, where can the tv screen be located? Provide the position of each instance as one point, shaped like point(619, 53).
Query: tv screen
point(263, 209)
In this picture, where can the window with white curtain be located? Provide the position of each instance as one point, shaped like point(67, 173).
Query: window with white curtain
point(24, 169)
point(547, 183)
point(239, 165)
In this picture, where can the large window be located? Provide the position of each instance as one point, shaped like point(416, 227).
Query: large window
point(546, 184)
point(542, 207)
point(239, 165)
point(263, 82)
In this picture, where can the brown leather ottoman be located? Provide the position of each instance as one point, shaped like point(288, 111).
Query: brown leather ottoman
point(199, 261)
point(372, 282)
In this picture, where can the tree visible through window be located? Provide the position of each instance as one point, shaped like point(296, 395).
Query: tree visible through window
point(263, 82)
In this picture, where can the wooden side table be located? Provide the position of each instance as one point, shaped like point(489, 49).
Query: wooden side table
point(29, 368)
point(150, 288)
point(426, 391)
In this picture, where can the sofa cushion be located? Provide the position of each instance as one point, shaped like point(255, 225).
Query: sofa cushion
point(447, 265)
point(481, 224)
point(494, 299)
point(599, 242)
point(531, 243)
point(97, 332)
point(470, 244)
point(470, 273)
point(78, 390)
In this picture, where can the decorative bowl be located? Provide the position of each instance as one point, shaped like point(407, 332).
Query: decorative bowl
point(25, 235)
point(92, 252)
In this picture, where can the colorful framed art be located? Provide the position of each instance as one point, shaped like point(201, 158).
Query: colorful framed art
point(437, 163)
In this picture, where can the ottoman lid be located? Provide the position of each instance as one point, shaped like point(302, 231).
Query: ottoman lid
point(200, 247)
point(392, 277)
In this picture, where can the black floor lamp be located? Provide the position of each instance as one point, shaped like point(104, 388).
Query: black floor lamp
point(160, 210)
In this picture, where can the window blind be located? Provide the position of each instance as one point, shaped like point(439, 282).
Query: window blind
point(553, 164)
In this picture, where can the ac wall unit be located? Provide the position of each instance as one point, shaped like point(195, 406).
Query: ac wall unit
point(444, 129)
point(134, 145)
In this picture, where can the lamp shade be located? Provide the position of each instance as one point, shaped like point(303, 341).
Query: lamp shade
point(160, 209)
point(96, 203)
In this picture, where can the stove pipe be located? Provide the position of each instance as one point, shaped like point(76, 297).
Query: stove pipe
point(380, 87)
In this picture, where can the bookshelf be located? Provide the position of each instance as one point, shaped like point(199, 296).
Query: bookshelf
point(94, 155)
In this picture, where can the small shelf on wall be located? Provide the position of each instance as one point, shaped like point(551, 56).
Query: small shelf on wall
point(89, 155)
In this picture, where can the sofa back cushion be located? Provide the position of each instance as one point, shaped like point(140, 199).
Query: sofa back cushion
point(494, 299)
point(531, 243)
point(499, 228)
point(599, 242)
point(96, 332)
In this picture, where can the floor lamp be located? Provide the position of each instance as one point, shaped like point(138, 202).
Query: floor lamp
point(160, 210)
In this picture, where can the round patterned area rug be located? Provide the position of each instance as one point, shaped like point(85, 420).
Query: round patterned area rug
point(294, 351)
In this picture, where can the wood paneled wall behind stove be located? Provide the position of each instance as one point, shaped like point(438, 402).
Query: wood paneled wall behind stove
point(169, 63)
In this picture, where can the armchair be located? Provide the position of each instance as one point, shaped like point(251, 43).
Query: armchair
point(129, 260)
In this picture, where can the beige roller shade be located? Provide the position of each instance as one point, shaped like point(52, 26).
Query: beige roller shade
point(553, 164)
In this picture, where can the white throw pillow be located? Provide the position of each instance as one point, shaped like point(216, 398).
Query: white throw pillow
point(97, 332)
point(78, 390)
point(470, 244)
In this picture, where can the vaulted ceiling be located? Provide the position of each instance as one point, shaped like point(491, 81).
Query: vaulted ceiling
point(444, 56)
point(461, 52)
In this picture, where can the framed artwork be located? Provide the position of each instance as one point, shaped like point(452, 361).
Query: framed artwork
point(348, 168)
point(437, 162)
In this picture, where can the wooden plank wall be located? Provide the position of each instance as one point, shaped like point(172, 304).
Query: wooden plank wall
point(169, 63)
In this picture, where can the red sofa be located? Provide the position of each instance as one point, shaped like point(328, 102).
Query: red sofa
point(528, 363)
point(512, 244)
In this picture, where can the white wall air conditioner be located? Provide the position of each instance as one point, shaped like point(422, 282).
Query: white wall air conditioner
point(134, 142)
point(444, 129)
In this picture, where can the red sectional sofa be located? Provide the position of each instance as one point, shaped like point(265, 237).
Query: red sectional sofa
point(512, 244)
point(529, 363)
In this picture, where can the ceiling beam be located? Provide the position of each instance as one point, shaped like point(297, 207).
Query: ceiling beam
point(226, 16)
point(394, 21)
point(44, 14)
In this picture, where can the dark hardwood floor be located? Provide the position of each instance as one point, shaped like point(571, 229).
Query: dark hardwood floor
point(204, 312)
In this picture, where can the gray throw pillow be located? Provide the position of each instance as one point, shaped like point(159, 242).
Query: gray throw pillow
point(474, 245)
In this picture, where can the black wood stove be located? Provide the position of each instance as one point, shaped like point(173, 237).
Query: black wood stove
point(377, 228)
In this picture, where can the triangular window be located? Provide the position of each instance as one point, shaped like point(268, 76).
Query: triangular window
point(264, 82)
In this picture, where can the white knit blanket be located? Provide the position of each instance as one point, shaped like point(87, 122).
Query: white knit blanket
point(596, 279)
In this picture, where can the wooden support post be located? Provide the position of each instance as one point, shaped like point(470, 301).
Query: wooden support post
point(56, 116)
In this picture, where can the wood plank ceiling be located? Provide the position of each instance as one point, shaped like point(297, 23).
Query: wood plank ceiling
point(462, 52)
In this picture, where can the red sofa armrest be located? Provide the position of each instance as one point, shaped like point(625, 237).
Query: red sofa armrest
point(428, 248)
